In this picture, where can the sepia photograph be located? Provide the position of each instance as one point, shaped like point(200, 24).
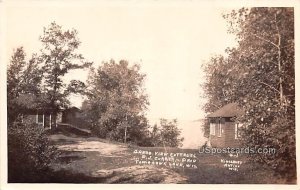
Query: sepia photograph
point(149, 92)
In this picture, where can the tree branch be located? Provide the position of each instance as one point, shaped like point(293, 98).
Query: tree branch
point(269, 86)
point(268, 41)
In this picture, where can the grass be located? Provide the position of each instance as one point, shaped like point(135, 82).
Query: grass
point(211, 171)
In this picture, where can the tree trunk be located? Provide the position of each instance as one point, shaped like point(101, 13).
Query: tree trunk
point(279, 63)
point(126, 125)
point(125, 137)
point(280, 77)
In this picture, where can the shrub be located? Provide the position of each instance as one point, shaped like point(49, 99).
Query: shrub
point(29, 153)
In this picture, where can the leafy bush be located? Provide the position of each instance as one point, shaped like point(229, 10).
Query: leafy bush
point(29, 153)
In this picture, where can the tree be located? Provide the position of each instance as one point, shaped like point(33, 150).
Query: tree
point(259, 75)
point(155, 137)
point(170, 134)
point(23, 83)
point(218, 87)
point(59, 56)
point(116, 102)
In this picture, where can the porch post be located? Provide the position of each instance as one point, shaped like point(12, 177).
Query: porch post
point(208, 144)
point(50, 121)
point(37, 118)
point(43, 119)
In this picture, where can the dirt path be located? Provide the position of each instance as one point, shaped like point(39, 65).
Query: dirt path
point(104, 149)
point(110, 162)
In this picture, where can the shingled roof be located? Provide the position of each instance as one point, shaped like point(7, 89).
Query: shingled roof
point(229, 110)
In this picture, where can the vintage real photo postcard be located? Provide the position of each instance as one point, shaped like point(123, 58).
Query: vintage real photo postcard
point(148, 92)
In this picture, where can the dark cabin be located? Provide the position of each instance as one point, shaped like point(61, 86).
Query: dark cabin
point(74, 117)
point(33, 110)
point(224, 130)
point(68, 115)
point(42, 117)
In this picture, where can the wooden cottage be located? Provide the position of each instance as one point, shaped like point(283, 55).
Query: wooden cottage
point(224, 130)
point(42, 117)
point(36, 110)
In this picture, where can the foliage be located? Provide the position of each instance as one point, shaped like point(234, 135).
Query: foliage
point(116, 102)
point(155, 137)
point(23, 83)
point(166, 135)
point(29, 152)
point(259, 75)
point(58, 57)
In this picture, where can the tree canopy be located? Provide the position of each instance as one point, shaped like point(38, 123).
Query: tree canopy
point(23, 83)
point(117, 102)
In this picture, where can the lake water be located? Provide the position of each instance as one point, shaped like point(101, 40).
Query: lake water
point(192, 133)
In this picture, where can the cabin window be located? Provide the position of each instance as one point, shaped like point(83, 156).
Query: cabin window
point(237, 130)
point(212, 129)
point(40, 118)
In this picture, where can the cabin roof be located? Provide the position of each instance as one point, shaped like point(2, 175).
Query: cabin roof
point(229, 110)
point(72, 109)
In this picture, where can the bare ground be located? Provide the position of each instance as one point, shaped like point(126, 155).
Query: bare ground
point(110, 162)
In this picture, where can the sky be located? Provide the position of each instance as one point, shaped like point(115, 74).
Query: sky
point(170, 41)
